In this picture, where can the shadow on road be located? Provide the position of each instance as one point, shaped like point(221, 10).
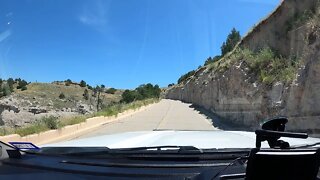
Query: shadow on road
point(219, 122)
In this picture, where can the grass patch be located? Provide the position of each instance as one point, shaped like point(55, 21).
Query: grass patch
point(298, 19)
point(270, 67)
point(32, 129)
point(72, 120)
point(51, 122)
point(121, 107)
point(266, 65)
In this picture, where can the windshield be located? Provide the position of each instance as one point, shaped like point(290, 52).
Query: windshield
point(182, 73)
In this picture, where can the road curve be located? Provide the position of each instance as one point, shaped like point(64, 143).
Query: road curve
point(165, 115)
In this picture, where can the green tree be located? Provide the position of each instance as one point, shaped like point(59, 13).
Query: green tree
point(86, 94)
point(129, 96)
point(24, 88)
point(186, 76)
point(62, 96)
point(156, 91)
point(10, 83)
point(103, 86)
point(68, 82)
point(83, 83)
point(5, 90)
point(111, 90)
point(89, 87)
point(97, 90)
point(144, 91)
point(211, 60)
point(21, 84)
point(232, 40)
point(17, 80)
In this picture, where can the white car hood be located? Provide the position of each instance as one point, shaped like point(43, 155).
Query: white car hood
point(200, 139)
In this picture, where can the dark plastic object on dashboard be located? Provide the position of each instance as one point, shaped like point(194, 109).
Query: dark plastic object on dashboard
point(273, 130)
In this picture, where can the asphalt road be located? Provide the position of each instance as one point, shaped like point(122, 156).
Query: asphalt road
point(165, 115)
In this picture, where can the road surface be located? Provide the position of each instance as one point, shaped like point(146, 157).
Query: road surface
point(165, 115)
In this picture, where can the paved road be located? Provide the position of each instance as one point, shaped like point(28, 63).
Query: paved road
point(167, 114)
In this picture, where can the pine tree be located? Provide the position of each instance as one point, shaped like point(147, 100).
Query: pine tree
point(232, 40)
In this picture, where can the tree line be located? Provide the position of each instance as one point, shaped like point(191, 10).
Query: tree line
point(144, 91)
point(10, 85)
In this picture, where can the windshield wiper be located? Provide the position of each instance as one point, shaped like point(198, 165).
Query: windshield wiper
point(153, 152)
point(87, 151)
point(160, 149)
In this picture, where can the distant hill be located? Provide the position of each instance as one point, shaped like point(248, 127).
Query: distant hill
point(24, 106)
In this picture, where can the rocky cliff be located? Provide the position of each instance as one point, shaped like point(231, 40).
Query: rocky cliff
point(237, 95)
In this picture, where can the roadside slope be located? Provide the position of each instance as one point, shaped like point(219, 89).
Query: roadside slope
point(230, 89)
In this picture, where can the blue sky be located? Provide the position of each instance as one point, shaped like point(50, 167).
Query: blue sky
point(118, 43)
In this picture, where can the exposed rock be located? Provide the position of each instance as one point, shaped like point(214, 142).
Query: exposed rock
point(37, 110)
point(84, 109)
point(237, 97)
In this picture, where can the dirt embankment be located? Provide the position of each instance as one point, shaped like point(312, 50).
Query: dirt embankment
point(235, 95)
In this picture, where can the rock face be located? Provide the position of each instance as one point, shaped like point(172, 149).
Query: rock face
point(239, 99)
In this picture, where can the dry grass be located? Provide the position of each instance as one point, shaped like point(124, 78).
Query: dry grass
point(50, 122)
point(42, 93)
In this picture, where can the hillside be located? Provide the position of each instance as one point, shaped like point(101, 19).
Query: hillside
point(23, 107)
point(273, 71)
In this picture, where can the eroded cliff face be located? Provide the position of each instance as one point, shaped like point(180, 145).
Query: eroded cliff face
point(240, 99)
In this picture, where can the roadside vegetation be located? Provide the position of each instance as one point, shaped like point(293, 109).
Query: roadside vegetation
point(265, 64)
point(10, 85)
point(130, 99)
point(186, 76)
point(144, 91)
point(51, 122)
point(231, 42)
point(299, 19)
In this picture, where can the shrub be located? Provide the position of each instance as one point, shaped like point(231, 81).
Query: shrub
point(62, 96)
point(83, 83)
point(68, 82)
point(186, 76)
point(144, 91)
point(32, 129)
point(86, 94)
point(211, 60)
point(51, 122)
point(5, 90)
point(89, 87)
point(111, 90)
point(21, 84)
point(24, 88)
point(10, 83)
point(268, 66)
point(129, 96)
point(298, 19)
